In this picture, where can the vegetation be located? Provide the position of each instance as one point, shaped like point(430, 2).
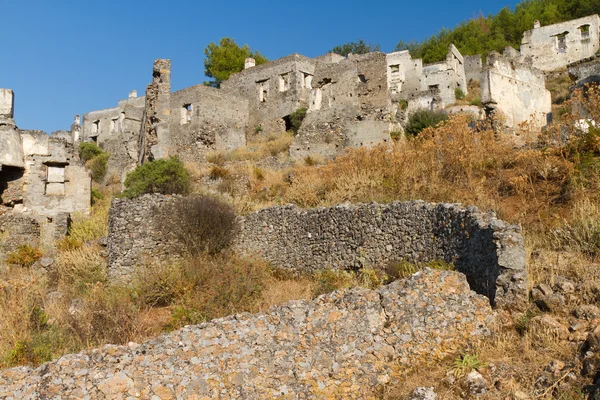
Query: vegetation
point(201, 224)
point(296, 119)
point(226, 58)
point(25, 256)
point(166, 176)
point(423, 119)
point(359, 47)
point(95, 159)
point(482, 34)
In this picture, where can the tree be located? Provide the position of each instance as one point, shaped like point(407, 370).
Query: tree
point(359, 47)
point(226, 58)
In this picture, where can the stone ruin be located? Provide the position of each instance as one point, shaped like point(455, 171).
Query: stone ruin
point(488, 251)
point(345, 345)
point(42, 181)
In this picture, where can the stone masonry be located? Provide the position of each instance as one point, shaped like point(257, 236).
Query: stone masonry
point(344, 345)
point(488, 251)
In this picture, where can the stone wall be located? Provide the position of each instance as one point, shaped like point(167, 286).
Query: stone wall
point(273, 90)
point(155, 139)
point(515, 91)
point(348, 107)
point(487, 250)
point(473, 68)
point(16, 230)
point(551, 47)
point(344, 345)
point(204, 118)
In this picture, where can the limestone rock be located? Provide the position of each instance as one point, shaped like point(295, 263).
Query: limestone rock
point(423, 393)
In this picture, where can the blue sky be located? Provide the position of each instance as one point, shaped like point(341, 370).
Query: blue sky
point(67, 57)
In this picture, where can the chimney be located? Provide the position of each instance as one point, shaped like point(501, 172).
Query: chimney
point(77, 120)
point(249, 63)
point(133, 94)
point(536, 24)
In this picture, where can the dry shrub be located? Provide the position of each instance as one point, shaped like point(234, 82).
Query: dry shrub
point(328, 280)
point(199, 223)
point(25, 256)
point(582, 233)
point(80, 266)
point(271, 146)
point(203, 287)
point(85, 227)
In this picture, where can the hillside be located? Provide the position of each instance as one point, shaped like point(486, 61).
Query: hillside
point(483, 34)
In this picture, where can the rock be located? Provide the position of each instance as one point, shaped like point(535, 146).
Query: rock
point(586, 311)
point(76, 307)
point(518, 395)
point(542, 289)
point(423, 393)
point(555, 367)
point(551, 303)
point(589, 367)
point(546, 323)
point(46, 262)
point(476, 383)
point(103, 241)
point(564, 286)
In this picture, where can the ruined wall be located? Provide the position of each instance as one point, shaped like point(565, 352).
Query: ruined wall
point(117, 131)
point(344, 345)
point(445, 77)
point(349, 107)
point(555, 46)
point(155, 139)
point(486, 249)
point(11, 151)
point(273, 90)
point(515, 91)
point(585, 72)
point(473, 68)
point(16, 230)
point(204, 118)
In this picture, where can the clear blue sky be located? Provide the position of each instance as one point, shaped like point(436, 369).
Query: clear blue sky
point(67, 57)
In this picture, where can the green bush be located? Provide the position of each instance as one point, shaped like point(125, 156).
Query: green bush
point(95, 159)
point(459, 94)
point(96, 195)
point(87, 151)
point(166, 176)
point(98, 166)
point(424, 119)
point(296, 119)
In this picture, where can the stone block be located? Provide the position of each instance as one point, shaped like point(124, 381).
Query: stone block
point(56, 175)
point(55, 189)
point(6, 103)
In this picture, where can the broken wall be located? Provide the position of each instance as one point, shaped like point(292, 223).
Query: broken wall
point(473, 68)
point(204, 118)
point(447, 76)
point(155, 139)
point(555, 46)
point(348, 107)
point(273, 90)
point(117, 131)
point(515, 91)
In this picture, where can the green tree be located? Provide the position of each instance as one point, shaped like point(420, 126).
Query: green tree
point(359, 47)
point(226, 58)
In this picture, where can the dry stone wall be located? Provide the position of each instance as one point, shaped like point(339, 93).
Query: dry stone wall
point(345, 345)
point(489, 251)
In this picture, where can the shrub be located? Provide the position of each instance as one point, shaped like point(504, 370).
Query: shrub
point(296, 119)
point(424, 119)
point(328, 280)
point(98, 167)
point(96, 196)
point(403, 103)
point(396, 135)
point(459, 94)
point(199, 223)
point(88, 151)
point(476, 102)
point(258, 129)
point(217, 172)
point(166, 176)
point(95, 160)
point(25, 256)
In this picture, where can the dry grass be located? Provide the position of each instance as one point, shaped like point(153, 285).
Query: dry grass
point(271, 146)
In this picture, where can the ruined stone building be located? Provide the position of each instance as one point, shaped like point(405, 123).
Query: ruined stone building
point(552, 47)
point(42, 181)
point(351, 101)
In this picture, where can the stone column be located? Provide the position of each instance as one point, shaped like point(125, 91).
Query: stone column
point(11, 148)
point(156, 132)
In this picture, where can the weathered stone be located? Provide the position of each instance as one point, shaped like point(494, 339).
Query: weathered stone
point(586, 311)
point(476, 383)
point(423, 393)
point(332, 347)
point(491, 254)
